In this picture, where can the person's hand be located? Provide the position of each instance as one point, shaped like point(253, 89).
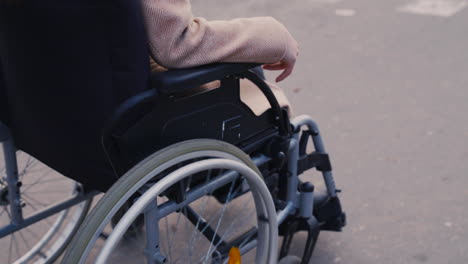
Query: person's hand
point(288, 61)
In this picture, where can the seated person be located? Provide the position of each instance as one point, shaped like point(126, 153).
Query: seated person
point(177, 39)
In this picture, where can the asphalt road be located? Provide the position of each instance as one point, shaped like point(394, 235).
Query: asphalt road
point(387, 81)
point(390, 91)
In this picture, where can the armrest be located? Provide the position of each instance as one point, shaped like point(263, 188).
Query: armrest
point(178, 80)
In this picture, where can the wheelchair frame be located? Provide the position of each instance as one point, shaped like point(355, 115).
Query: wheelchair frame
point(301, 208)
point(14, 191)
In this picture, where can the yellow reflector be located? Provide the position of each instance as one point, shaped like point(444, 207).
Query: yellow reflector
point(234, 256)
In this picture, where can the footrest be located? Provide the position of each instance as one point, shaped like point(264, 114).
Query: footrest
point(330, 215)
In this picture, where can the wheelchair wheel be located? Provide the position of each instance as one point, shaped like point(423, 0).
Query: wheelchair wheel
point(198, 199)
point(44, 241)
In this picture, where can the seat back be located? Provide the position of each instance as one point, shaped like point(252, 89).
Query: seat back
point(3, 101)
point(67, 65)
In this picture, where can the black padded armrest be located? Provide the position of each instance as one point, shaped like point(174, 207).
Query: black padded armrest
point(173, 81)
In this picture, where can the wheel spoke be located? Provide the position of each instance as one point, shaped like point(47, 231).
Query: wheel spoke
point(27, 199)
point(3, 211)
point(171, 242)
point(58, 179)
point(39, 240)
point(215, 241)
point(212, 217)
point(40, 179)
point(186, 230)
point(220, 218)
point(24, 171)
point(48, 192)
point(168, 239)
point(24, 240)
point(203, 206)
point(231, 225)
point(34, 200)
point(18, 253)
point(10, 249)
point(8, 212)
point(212, 197)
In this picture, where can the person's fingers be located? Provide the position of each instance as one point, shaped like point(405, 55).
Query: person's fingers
point(283, 75)
point(288, 70)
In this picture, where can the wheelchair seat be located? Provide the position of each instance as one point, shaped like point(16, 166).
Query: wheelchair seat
point(77, 94)
point(66, 66)
point(64, 81)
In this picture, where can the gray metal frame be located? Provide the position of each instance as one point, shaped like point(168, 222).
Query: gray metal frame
point(14, 191)
point(295, 199)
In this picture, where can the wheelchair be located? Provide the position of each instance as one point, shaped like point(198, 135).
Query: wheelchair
point(186, 178)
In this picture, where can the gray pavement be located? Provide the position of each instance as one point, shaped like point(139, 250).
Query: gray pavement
point(390, 91)
point(387, 81)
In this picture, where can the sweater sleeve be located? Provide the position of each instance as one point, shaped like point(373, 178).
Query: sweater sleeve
point(177, 39)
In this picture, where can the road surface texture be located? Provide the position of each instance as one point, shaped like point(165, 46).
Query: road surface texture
point(387, 81)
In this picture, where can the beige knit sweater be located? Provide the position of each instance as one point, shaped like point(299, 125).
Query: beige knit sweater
point(180, 40)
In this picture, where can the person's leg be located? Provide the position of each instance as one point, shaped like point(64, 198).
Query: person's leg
point(252, 96)
point(259, 71)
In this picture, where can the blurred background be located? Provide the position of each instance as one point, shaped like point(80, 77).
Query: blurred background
point(387, 81)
